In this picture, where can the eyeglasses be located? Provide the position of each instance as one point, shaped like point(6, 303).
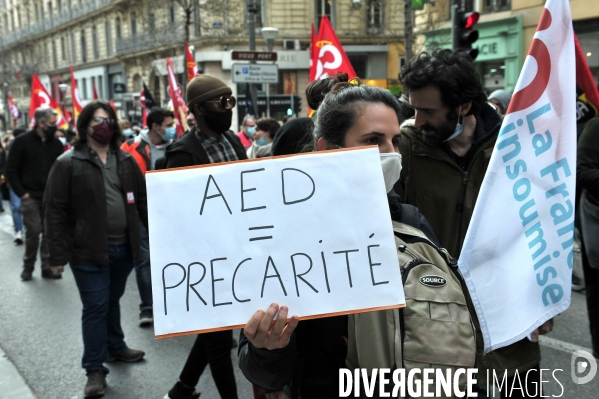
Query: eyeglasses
point(224, 102)
point(99, 120)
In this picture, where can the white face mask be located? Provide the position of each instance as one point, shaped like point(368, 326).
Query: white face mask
point(391, 164)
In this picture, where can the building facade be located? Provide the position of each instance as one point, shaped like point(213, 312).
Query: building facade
point(506, 29)
point(118, 45)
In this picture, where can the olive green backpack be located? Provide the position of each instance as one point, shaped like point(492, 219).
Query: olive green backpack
point(436, 328)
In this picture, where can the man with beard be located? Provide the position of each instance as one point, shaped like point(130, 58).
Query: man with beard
point(209, 141)
point(31, 157)
point(445, 157)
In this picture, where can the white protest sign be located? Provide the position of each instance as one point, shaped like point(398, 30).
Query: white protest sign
point(312, 232)
point(518, 253)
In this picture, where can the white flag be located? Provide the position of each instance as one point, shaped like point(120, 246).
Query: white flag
point(518, 252)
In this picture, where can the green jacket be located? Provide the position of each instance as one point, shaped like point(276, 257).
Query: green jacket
point(445, 194)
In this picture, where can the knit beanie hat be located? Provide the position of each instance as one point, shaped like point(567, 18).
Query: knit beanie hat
point(203, 88)
point(503, 97)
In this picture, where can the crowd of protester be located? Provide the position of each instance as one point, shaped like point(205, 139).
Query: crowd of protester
point(80, 199)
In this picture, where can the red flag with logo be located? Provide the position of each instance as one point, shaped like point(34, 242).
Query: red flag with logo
point(75, 97)
point(192, 68)
point(67, 115)
point(312, 52)
point(329, 57)
point(95, 94)
point(587, 95)
point(41, 98)
point(177, 99)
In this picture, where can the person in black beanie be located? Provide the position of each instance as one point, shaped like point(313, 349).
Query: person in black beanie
point(210, 141)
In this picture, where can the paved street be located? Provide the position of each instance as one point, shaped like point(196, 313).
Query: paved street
point(40, 334)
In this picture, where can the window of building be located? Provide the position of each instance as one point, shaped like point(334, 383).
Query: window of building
point(54, 58)
point(151, 21)
point(133, 24)
point(324, 7)
point(374, 16)
point(63, 49)
point(27, 16)
point(83, 89)
point(73, 49)
point(19, 17)
point(95, 43)
point(172, 14)
point(83, 48)
point(37, 13)
point(50, 8)
point(59, 4)
point(6, 27)
point(117, 26)
point(497, 5)
point(108, 38)
point(100, 87)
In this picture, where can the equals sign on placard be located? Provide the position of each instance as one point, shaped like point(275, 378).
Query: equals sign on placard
point(261, 228)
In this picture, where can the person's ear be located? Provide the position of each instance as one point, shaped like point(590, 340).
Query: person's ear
point(199, 110)
point(323, 145)
point(465, 108)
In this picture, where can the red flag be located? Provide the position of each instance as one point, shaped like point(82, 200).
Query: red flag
point(329, 56)
point(41, 98)
point(176, 98)
point(587, 95)
point(95, 94)
point(312, 52)
point(75, 97)
point(192, 68)
point(111, 102)
point(67, 116)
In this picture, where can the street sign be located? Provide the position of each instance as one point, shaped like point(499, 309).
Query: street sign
point(255, 73)
point(119, 88)
point(253, 56)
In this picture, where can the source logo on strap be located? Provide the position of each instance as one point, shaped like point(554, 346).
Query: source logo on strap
point(433, 281)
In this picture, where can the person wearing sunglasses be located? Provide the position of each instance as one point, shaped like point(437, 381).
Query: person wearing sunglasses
point(210, 141)
point(94, 201)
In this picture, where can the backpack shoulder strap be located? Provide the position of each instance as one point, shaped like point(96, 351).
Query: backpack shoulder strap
point(410, 215)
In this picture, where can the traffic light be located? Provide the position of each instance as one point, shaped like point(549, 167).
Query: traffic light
point(297, 104)
point(463, 34)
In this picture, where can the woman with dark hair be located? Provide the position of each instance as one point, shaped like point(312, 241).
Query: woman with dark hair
point(266, 129)
point(94, 199)
point(305, 361)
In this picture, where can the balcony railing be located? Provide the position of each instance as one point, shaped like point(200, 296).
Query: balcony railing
point(160, 36)
point(55, 21)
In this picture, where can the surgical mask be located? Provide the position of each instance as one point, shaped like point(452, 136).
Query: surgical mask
point(391, 164)
point(49, 131)
point(169, 133)
point(261, 141)
point(63, 141)
point(459, 128)
point(128, 133)
point(218, 122)
point(102, 133)
point(251, 130)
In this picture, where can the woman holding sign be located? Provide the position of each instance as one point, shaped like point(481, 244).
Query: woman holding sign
point(306, 360)
point(94, 199)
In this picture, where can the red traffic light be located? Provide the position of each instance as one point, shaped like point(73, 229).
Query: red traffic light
point(471, 19)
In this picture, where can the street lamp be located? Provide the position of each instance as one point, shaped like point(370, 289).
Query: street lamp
point(270, 35)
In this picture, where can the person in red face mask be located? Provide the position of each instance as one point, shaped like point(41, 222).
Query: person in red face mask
point(95, 199)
